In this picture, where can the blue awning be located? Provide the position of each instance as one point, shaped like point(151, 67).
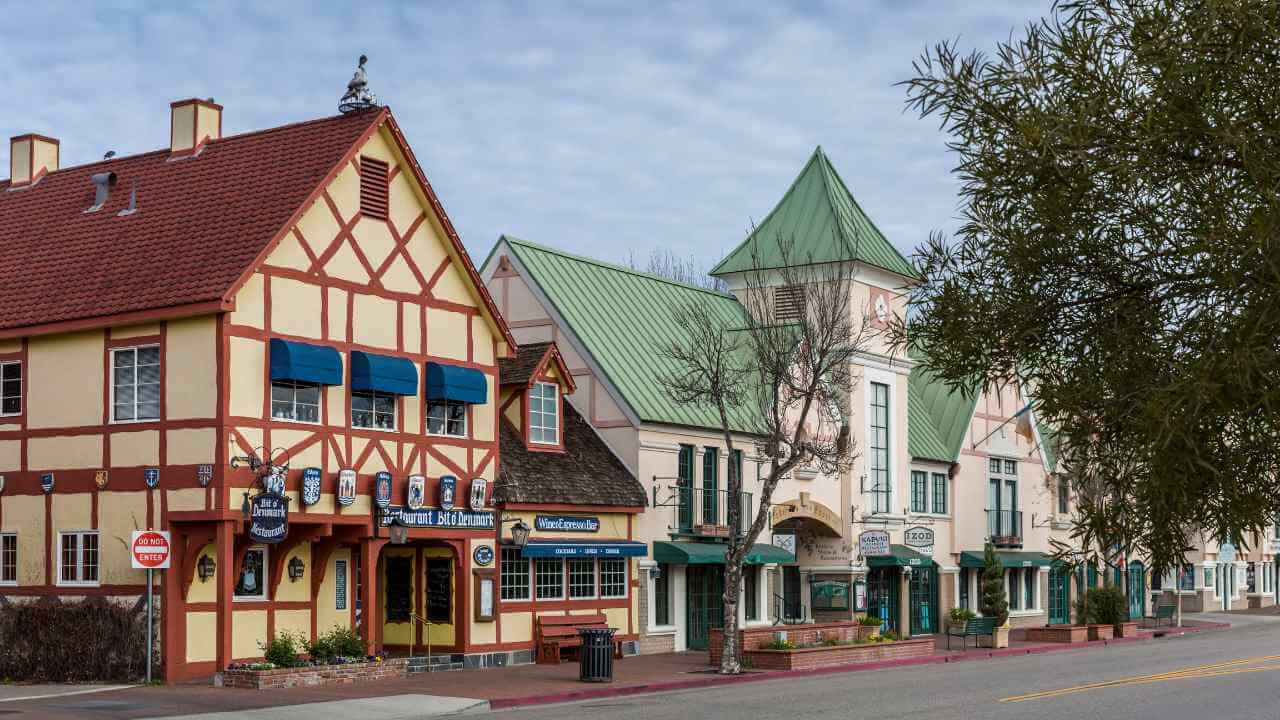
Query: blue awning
point(305, 363)
point(584, 548)
point(394, 375)
point(451, 382)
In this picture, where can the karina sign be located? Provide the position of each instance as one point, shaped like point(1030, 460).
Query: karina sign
point(564, 523)
point(150, 549)
point(268, 518)
point(873, 543)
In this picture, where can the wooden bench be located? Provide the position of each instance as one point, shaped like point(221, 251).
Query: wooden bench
point(1163, 612)
point(971, 628)
point(554, 633)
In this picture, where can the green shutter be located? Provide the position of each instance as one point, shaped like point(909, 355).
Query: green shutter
point(684, 469)
point(710, 486)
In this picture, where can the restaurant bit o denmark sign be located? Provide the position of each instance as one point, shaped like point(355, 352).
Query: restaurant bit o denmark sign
point(268, 518)
point(150, 549)
point(432, 517)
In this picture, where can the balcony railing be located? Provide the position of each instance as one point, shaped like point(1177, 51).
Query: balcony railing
point(703, 511)
point(1004, 528)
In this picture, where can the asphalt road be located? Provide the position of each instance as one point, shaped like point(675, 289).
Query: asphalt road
point(1229, 674)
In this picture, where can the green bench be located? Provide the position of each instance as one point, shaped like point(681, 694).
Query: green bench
point(1163, 612)
point(971, 628)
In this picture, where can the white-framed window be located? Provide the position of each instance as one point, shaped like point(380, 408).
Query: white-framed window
point(8, 559)
point(11, 388)
point(662, 604)
point(548, 574)
point(514, 574)
point(613, 578)
point(135, 383)
point(296, 401)
point(78, 558)
point(374, 410)
point(881, 483)
point(252, 582)
point(447, 417)
point(582, 578)
point(544, 413)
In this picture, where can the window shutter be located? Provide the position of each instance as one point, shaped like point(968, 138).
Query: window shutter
point(373, 188)
point(788, 303)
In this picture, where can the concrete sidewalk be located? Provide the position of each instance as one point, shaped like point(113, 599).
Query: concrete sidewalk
point(393, 707)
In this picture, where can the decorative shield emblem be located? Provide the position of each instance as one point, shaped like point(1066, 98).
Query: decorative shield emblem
point(100, 479)
point(417, 492)
point(382, 488)
point(46, 482)
point(483, 555)
point(273, 481)
point(448, 491)
point(346, 487)
point(152, 476)
point(478, 488)
point(204, 475)
point(311, 486)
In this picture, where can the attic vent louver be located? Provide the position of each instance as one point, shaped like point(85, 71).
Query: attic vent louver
point(373, 188)
point(102, 184)
point(788, 303)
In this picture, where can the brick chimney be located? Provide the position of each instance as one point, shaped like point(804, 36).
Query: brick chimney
point(192, 123)
point(31, 157)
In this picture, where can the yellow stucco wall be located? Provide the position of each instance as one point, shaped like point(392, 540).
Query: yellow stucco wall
point(185, 499)
point(202, 636)
point(24, 514)
point(291, 590)
point(517, 627)
point(132, 331)
point(250, 303)
point(69, 452)
point(135, 449)
point(446, 334)
point(119, 514)
point(294, 308)
point(297, 622)
point(204, 591)
point(191, 446)
point(182, 127)
point(191, 389)
point(327, 614)
point(10, 455)
point(248, 633)
point(374, 321)
point(248, 365)
point(65, 374)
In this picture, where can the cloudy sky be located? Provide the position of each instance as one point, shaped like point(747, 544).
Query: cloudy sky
point(601, 128)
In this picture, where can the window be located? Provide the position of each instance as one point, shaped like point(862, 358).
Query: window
point(710, 486)
point(296, 401)
point(11, 388)
point(1187, 579)
point(1157, 581)
point(549, 576)
point(372, 409)
point(750, 592)
point(940, 493)
point(373, 188)
point(1014, 590)
point(582, 578)
point(919, 483)
point(252, 583)
point(1208, 581)
point(1010, 467)
point(613, 578)
point(1064, 494)
point(788, 303)
point(880, 487)
point(9, 559)
point(135, 383)
point(1029, 581)
point(1251, 579)
point(515, 574)
point(78, 558)
point(684, 481)
point(447, 417)
point(544, 413)
point(662, 596)
point(964, 588)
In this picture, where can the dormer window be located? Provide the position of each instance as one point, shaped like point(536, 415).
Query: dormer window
point(544, 414)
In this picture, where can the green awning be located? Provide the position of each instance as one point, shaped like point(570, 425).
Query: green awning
point(900, 555)
point(699, 553)
point(1010, 559)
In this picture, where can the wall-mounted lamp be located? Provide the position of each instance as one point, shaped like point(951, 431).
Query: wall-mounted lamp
point(655, 572)
point(296, 568)
point(520, 534)
point(205, 566)
point(398, 531)
point(244, 506)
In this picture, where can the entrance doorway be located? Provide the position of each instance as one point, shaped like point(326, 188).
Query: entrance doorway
point(704, 603)
point(882, 596)
point(792, 610)
point(1137, 590)
point(418, 597)
point(1059, 597)
point(923, 591)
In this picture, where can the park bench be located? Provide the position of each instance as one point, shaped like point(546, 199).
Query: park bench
point(1163, 612)
point(971, 628)
point(554, 633)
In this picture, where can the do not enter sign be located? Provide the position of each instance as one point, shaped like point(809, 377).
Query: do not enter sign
point(150, 549)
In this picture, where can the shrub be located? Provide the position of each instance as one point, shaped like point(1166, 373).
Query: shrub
point(994, 602)
point(960, 616)
point(1106, 606)
point(282, 650)
point(869, 621)
point(338, 643)
point(93, 639)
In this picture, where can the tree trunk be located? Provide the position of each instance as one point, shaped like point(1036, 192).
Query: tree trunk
point(730, 657)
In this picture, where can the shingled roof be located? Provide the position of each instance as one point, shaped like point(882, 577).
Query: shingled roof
point(523, 366)
point(586, 473)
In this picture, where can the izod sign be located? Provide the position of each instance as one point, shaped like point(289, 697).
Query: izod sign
point(150, 549)
point(919, 539)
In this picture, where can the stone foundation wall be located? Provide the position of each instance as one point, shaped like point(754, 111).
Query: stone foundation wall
point(810, 658)
point(313, 676)
point(798, 634)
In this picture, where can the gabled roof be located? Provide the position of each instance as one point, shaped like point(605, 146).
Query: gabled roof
point(827, 225)
point(937, 417)
point(530, 361)
point(624, 319)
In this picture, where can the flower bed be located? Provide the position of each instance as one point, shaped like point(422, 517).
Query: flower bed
point(1058, 634)
point(811, 634)
point(819, 656)
point(249, 678)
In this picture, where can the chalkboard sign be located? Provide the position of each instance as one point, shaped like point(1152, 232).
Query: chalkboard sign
point(440, 590)
point(399, 589)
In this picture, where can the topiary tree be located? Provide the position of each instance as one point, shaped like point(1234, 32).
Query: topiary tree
point(994, 602)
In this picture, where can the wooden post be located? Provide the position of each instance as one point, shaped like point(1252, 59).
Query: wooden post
point(225, 540)
point(370, 621)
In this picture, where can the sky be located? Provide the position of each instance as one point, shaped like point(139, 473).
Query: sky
point(605, 129)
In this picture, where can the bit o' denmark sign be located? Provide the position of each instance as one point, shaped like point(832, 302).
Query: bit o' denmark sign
point(150, 549)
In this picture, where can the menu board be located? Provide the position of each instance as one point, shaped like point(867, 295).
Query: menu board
point(440, 590)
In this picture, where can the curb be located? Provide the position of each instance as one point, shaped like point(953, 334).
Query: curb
point(713, 680)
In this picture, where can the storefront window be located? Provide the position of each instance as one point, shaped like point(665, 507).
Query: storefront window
point(1187, 580)
point(252, 583)
point(1209, 581)
point(613, 578)
point(549, 574)
point(1251, 579)
point(750, 592)
point(296, 401)
point(662, 595)
point(1014, 589)
point(582, 578)
point(1029, 580)
point(515, 574)
point(964, 589)
point(374, 410)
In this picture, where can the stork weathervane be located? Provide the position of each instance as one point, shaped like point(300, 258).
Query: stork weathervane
point(358, 96)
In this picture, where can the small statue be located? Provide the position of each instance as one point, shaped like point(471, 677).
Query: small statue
point(358, 96)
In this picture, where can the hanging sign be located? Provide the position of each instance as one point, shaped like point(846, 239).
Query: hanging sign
point(478, 488)
point(346, 487)
point(448, 491)
point(268, 518)
point(100, 479)
point(432, 517)
point(565, 523)
point(273, 481)
point(152, 476)
point(150, 549)
point(204, 475)
point(382, 488)
point(417, 496)
point(786, 541)
point(873, 543)
point(483, 555)
point(919, 539)
point(1226, 553)
point(311, 485)
point(46, 482)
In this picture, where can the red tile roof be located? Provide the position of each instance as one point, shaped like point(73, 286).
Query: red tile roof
point(201, 224)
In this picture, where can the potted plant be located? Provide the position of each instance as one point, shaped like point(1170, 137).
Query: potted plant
point(994, 602)
point(958, 617)
point(868, 627)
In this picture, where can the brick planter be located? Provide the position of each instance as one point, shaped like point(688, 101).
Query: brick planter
point(1126, 630)
point(753, 638)
point(1101, 632)
point(1058, 634)
point(314, 675)
point(820, 657)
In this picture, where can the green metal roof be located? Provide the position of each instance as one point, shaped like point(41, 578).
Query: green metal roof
point(900, 555)
point(624, 319)
point(937, 417)
point(699, 553)
point(826, 223)
point(1008, 558)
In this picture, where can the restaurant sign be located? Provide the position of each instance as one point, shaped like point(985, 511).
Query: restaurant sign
point(873, 543)
point(432, 517)
point(268, 518)
point(565, 523)
point(919, 539)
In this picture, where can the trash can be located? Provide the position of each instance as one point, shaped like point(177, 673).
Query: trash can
point(595, 659)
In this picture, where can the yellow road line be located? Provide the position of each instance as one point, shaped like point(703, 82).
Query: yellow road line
point(1212, 670)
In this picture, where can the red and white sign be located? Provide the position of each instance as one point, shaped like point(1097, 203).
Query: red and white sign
point(150, 549)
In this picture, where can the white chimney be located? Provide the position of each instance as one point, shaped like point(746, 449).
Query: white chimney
point(31, 157)
point(192, 123)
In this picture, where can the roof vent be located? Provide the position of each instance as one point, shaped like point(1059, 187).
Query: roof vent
point(102, 184)
point(133, 202)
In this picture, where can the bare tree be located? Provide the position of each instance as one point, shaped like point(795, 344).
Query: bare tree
point(664, 263)
point(781, 373)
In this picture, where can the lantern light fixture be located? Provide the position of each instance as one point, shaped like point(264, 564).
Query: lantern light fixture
point(206, 567)
point(296, 568)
